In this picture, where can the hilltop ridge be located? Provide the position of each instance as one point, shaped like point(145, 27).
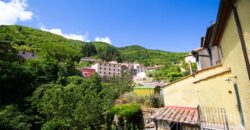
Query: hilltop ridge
point(26, 38)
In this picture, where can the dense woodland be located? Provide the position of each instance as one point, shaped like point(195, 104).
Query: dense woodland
point(48, 92)
point(25, 38)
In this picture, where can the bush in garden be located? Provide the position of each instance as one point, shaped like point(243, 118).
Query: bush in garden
point(129, 115)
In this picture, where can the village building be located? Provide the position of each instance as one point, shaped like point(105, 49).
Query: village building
point(150, 88)
point(146, 90)
point(221, 84)
point(153, 68)
point(87, 59)
point(87, 72)
point(107, 69)
point(27, 55)
point(190, 58)
point(137, 69)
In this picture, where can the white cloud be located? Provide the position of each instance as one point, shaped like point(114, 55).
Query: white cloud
point(69, 36)
point(103, 39)
point(13, 11)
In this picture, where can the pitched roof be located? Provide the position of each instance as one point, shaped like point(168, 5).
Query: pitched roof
point(186, 115)
point(147, 87)
point(221, 20)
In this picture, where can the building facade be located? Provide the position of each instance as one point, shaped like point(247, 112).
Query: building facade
point(27, 55)
point(87, 72)
point(146, 90)
point(137, 69)
point(109, 69)
point(190, 59)
point(222, 81)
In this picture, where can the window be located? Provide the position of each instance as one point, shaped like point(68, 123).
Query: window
point(100, 63)
point(100, 72)
point(104, 72)
point(109, 65)
point(109, 73)
point(104, 68)
point(100, 68)
point(109, 69)
point(104, 64)
point(114, 69)
point(118, 74)
point(118, 69)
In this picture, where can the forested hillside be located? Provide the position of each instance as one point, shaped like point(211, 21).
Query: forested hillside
point(150, 57)
point(25, 38)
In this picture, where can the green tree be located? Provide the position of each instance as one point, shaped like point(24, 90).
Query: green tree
point(7, 37)
point(78, 105)
point(12, 119)
point(109, 53)
point(169, 73)
point(16, 82)
point(117, 86)
point(88, 49)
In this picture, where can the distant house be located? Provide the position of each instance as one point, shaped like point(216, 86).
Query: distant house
point(137, 69)
point(87, 72)
point(113, 68)
point(107, 69)
point(27, 55)
point(146, 90)
point(190, 58)
point(156, 67)
point(87, 59)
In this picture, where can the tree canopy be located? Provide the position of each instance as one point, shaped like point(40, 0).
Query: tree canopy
point(89, 49)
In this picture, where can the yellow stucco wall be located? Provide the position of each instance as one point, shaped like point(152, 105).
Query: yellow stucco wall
point(233, 56)
point(215, 93)
point(143, 91)
point(212, 92)
point(181, 94)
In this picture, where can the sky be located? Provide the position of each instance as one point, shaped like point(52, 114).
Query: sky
point(170, 25)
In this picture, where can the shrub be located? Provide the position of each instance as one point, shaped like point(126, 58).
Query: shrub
point(154, 101)
point(129, 115)
point(150, 100)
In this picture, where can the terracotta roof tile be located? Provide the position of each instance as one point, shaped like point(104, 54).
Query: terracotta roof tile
point(188, 115)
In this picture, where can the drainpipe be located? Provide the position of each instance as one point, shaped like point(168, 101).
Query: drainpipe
point(237, 94)
point(239, 103)
point(240, 32)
